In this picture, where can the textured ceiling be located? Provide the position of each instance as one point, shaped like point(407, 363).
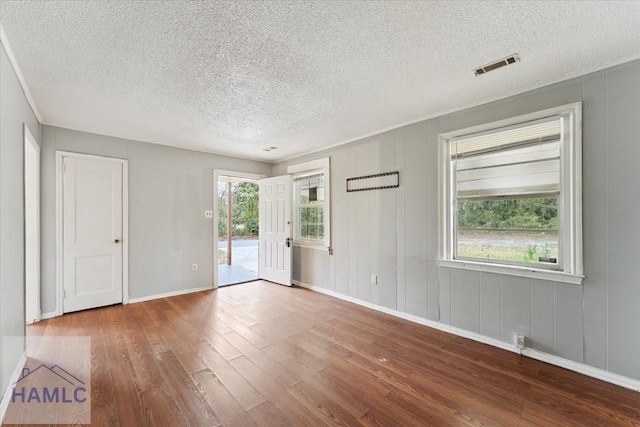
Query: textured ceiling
point(236, 77)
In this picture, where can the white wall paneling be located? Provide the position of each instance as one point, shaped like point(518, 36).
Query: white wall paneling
point(361, 206)
point(568, 321)
point(387, 222)
point(401, 223)
point(595, 323)
point(16, 115)
point(465, 294)
point(542, 316)
point(415, 180)
point(340, 230)
point(594, 219)
point(352, 224)
point(375, 198)
point(490, 316)
point(622, 202)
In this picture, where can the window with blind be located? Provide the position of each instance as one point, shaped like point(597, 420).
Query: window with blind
point(311, 199)
point(510, 193)
point(310, 207)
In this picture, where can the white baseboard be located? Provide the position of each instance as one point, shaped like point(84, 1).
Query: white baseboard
point(170, 294)
point(6, 397)
point(583, 369)
point(571, 365)
point(48, 315)
point(51, 314)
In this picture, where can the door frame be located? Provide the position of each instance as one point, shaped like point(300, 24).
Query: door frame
point(33, 288)
point(59, 224)
point(250, 177)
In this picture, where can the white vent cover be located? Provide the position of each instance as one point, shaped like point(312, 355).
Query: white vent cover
point(512, 59)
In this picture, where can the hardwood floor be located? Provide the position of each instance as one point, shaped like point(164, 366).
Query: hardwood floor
point(263, 354)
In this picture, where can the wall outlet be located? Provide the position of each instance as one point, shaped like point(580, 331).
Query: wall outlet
point(208, 214)
point(194, 267)
point(374, 279)
point(520, 341)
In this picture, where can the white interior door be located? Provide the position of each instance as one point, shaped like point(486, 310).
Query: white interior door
point(275, 230)
point(92, 214)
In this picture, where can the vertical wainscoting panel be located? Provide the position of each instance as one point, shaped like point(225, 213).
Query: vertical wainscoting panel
point(444, 276)
point(401, 220)
point(594, 218)
point(363, 226)
point(433, 297)
point(333, 261)
point(388, 279)
point(623, 227)
point(568, 91)
point(568, 325)
point(340, 220)
point(542, 98)
point(542, 316)
point(465, 299)
point(296, 263)
point(375, 197)
point(352, 229)
point(515, 106)
point(515, 294)
point(332, 272)
point(416, 219)
point(490, 324)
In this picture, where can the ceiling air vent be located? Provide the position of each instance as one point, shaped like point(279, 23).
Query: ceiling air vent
point(497, 64)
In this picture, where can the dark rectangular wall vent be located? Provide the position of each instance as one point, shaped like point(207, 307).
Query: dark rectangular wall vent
point(512, 59)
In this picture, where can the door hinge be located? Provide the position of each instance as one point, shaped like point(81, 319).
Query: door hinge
point(64, 293)
point(64, 166)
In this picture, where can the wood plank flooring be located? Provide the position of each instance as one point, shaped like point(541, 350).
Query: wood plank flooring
point(267, 355)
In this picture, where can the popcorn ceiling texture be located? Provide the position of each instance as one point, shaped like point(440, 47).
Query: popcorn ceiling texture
point(236, 77)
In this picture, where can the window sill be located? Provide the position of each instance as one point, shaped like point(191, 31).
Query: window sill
point(514, 270)
point(309, 245)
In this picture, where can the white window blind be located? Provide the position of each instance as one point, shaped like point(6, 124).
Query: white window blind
point(310, 188)
point(516, 161)
point(312, 203)
point(308, 175)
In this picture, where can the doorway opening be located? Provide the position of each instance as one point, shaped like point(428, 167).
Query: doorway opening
point(238, 222)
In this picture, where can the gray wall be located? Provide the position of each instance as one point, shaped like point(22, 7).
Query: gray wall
point(169, 190)
point(393, 233)
point(14, 112)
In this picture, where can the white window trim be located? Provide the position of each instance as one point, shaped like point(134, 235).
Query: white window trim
point(307, 168)
point(570, 202)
